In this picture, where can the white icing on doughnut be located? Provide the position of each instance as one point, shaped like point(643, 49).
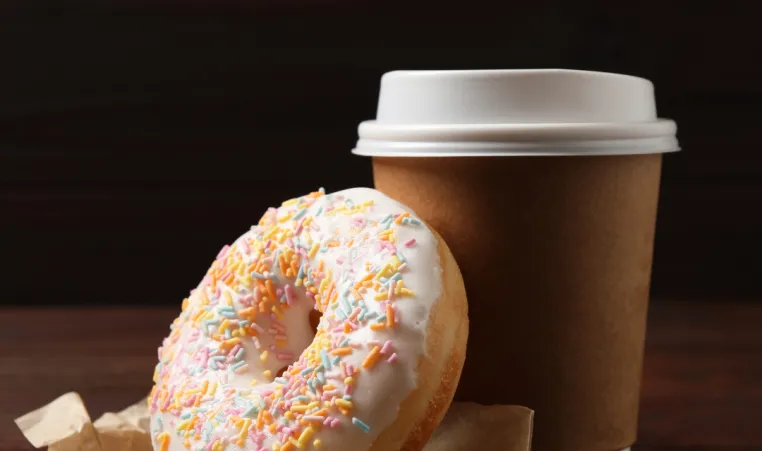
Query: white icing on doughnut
point(343, 386)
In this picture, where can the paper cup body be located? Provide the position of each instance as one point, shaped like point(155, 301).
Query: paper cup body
point(545, 186)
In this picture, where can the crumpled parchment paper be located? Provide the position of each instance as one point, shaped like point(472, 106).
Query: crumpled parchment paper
point(64, 425)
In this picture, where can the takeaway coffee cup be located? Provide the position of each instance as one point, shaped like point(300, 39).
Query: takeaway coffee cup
point(544, 183)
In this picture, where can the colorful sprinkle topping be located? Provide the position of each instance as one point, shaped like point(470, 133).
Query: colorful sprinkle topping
point(238, 323)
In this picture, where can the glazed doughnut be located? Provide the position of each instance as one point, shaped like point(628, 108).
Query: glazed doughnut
point(246, 367)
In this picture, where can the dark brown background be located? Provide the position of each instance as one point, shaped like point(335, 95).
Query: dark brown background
point(137, 139)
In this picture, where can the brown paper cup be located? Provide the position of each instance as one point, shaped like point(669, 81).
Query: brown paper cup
point(556, 257)
point(545, 185)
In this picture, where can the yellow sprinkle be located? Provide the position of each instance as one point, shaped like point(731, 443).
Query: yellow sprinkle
point(245, 429)
point(406, 292)
point(398, 287)
point(389, 316)
point(268, 374)
point(277, 311)
point(289, 415)
point(299, 408)
point(253, 382)
point(381, 296)
point(185, 304)
point(382, 272)
point(223, 326)
point(323, 284)
point(314, 250)
point(290, 202)
point(276, 446)
point(228, 299)
point(349, 381)
point(213, 389)
point(306, 436)
point(343, 403)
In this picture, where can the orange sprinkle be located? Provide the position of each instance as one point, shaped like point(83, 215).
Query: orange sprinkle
point(282, 263)
point(372, 358)
point(341, 351)
point(389, 316)
point(289, 446)
point(270, 290)
point(347, 329)
point(401, 217)
point(377, 326)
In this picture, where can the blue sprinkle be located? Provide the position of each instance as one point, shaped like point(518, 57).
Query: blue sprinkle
point(388, 217)
point(280, 380)
point(381, 319)
point(323, 249)
point(243, 322)
point(349, 203)
point(220, 418)
point(361, 316)
point(302, 398)
point(301, 272)
point(344, 343)
point(345, 306)
point(251, 412)
point(306, 371)
point(357, 422)
point(213, 364)
point(336, 360)
point(239, 354)
point(237, 365)
point(228, 314)
point(320, 210)
point(299, 214)
point(347, 397)
point(311, 385)
point(228, 335)
point(340, 313)
point(321, 378)
point(321, 190)
point(257, 275)
point(383, 280)
point(371, 315)
point(324, 356)
point(414, 221)
point(217, 358)
point(185, 416)
point(401, 256)
point(320, 368)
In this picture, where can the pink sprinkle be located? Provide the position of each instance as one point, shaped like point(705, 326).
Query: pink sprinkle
point(281, 337)
point(335, 422)
point(410, 242)
point(284, 356)
point(310, 295)
point(191, 400)
point(340, 261)
point(290, 295)
point(390, 295)
point(223, 251)
point(245, 247)
point(234, 350)
point(279, 292)
point(349, 389)
point(271, 347)
point(393, 358)
point(387, 346)
point(337, 330)
point(327, 421)
point(257, 327)
point(350, 369)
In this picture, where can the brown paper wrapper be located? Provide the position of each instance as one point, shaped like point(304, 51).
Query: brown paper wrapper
point(555, 254)
point(64, 425)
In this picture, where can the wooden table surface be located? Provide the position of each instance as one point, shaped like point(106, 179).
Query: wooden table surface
point(702, 386)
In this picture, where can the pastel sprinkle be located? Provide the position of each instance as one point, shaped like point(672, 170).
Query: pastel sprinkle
point(357, 422)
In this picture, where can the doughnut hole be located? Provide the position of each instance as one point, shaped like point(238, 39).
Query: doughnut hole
point(315, 316)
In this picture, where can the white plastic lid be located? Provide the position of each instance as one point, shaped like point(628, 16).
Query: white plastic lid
point(514, 112)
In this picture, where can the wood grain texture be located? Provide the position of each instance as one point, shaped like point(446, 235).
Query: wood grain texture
point(701, 389)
